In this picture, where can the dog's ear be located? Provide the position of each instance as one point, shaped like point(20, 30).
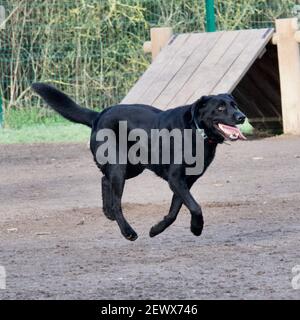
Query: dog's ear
point(200, 103)
point(228, 95)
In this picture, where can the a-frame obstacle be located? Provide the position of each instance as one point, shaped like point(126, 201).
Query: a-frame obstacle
point(244, 63)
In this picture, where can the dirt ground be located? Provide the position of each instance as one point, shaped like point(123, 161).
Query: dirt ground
point(55, 242)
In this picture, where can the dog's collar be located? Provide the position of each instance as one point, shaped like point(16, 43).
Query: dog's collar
point(201, 131)
point(203, 134)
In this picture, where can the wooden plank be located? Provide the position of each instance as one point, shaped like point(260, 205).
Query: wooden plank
point(199, 77)
point(215, 63)
point(289, 66)
point(244, 61)
point(204, 44)
point(155, 69)
point(209, 78)
point(171, 68)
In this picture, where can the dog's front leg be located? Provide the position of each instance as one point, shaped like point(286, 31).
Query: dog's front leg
point(180, 187)
point(169, 218)
point(175, 207)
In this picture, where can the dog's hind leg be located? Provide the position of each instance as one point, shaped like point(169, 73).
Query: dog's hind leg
point(116, 177)
point(107, 199)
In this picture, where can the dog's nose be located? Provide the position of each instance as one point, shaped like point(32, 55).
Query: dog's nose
point(239, 117)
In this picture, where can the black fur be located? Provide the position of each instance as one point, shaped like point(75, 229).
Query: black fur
point(65, 106)
point(204, 112)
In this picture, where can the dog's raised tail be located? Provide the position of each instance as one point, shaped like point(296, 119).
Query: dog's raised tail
point(64, 105)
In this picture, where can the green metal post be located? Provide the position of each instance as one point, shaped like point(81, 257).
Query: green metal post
point(210, 16)
point(1, 112)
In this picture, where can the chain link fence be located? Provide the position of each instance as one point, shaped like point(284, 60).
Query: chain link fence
point(92, 49)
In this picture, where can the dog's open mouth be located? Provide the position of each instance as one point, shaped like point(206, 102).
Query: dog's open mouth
point(232, 133)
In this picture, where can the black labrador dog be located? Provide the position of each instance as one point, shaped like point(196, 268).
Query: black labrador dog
point(216, 115)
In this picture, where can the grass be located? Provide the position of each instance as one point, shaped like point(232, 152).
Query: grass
point(55, 132)
point(37, 125)
point(27, 117)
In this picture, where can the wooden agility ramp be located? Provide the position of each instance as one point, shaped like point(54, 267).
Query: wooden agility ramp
point(243, 63)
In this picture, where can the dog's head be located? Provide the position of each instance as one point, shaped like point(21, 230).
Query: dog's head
point(219, 116)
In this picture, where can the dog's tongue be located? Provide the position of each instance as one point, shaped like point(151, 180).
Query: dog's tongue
point(232, 133)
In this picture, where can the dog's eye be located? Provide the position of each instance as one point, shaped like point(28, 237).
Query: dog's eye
point(221, 108)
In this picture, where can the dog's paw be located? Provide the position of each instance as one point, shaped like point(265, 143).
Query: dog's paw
point(154, 232)
point(196, 231)
point(130, 234)
point(131, 237)
point(197, 227)
point(158, 228)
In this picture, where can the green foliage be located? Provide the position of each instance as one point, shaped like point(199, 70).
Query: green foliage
point(245, 14)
